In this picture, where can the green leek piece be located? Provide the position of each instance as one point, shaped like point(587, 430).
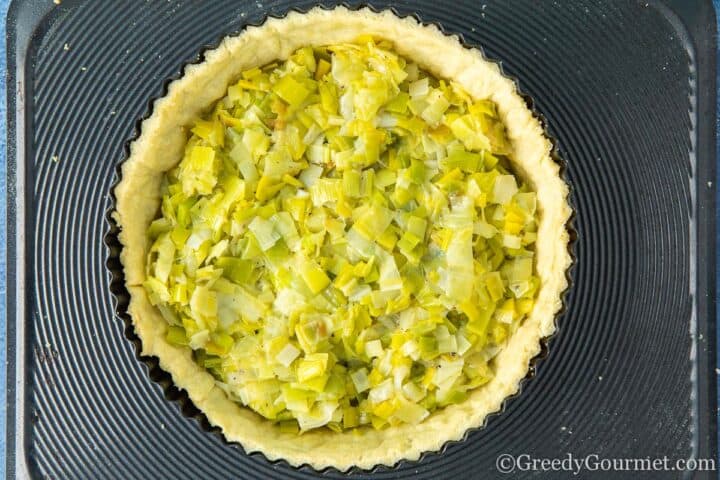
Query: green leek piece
point(264, 232)
point(504, 189)
point(236, 269)
point(314, 276)
point(287, 355)
point(290, 90)
point(198, 171)
point(176, 335)
point(312, 366)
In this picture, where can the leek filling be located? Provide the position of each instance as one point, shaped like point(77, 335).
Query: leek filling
point(343, 243)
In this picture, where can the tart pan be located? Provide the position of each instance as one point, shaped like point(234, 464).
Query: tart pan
point(628, 94)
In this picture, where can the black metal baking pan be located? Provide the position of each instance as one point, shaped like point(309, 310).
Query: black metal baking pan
point(628, 92)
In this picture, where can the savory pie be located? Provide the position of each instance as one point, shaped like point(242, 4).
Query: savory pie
point(344, 236)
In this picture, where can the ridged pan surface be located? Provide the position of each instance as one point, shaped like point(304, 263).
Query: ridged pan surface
point(616, 85)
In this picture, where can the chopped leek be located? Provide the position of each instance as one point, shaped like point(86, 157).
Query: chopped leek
point(343, 244)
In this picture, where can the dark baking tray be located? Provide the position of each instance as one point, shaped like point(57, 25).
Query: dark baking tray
point(628, 91)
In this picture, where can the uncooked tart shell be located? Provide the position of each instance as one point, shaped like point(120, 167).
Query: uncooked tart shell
point(160, 147)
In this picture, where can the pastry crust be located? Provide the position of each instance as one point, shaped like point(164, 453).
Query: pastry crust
point(160, 147)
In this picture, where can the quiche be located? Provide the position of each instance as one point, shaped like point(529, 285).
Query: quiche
point(344, 236)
